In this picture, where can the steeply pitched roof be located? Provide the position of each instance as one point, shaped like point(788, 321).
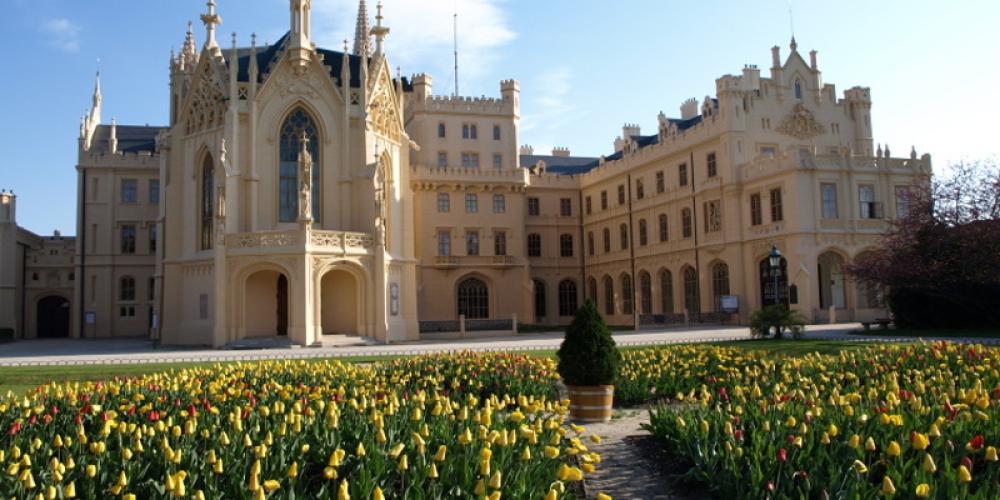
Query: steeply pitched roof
point(131, 138)
point(269, 55)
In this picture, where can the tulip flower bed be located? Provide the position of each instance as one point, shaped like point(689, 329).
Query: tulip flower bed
point(908, 421)
point(428, 427)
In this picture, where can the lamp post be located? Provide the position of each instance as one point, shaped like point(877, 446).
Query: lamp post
point(774, 258)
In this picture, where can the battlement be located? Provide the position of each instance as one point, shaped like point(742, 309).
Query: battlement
point(507, 104)
point(858, 93)
point(140, 159)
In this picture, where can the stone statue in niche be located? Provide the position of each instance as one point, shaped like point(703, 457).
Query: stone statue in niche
point(305, 180)
point(220, 212)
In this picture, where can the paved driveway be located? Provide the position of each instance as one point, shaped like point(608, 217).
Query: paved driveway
point(133, 351)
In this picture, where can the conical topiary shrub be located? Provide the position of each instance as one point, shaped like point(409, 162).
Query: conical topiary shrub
point(588, 356)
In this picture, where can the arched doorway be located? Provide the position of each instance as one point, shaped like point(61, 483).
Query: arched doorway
point(831, 281)
point(540, 302)
point(340, 303)
point(53, 317)
point(266, 304)
point(768, 295)
point(473, 299)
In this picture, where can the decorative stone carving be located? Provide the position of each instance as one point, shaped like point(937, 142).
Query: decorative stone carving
point(207, 102)
point(297, 85)
point(800, 124)
point(383, 112)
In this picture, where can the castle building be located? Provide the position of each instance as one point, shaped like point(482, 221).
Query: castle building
point(299, 191)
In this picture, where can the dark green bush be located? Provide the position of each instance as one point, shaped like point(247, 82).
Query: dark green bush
point(588, 355)
point(777, 319)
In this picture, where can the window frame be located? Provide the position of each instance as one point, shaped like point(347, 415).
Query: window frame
point(471, 203)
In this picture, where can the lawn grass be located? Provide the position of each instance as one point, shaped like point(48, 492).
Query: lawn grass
point(984, 333)
point(20, 379)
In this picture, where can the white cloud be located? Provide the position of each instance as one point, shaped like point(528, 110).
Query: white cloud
point(421, 35)
point(62, 34)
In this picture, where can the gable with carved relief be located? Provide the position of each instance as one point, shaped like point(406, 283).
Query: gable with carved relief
point(383, 108)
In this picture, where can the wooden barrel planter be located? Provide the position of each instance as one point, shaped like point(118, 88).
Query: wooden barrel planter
point(591, 403)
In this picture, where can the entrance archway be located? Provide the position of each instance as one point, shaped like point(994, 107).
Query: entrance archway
point(266, 310)
point(340, 303)
point(831, 281)
point(53, 317)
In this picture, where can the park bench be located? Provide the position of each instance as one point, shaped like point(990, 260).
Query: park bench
point(883, 323)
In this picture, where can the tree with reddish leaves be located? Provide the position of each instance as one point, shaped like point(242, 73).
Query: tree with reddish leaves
point(940, 264)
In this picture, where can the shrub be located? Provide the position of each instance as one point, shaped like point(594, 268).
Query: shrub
point(777, 318)
point(588, 355)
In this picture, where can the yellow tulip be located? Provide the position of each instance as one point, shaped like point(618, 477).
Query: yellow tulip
point(293, 470)
point(361, 450)
point(893, 449)
point(859, 467)
point(602, 496)
point(991, 453)
point(870, 444)
point(91, 471)
point(403, 463)
point(854, 441)
point(480, 488)
point(887, 487)
point(342, 492)
point(833, 430)
point(964, 476)
point(69, 491)
point(929, 465)
point(920, 441)
point(551, 451)
point(923, 490)
point(433, 472)
point(377, 494)
point(495, 480)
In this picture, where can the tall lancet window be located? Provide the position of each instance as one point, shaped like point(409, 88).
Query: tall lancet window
point(798, 89)
point(297, 123)
point(207, 202)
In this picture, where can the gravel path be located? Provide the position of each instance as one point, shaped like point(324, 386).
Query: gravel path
point(632, 462)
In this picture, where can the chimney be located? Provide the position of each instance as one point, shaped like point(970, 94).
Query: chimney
point(775, 57)
point(527, 150)
point(689, 108)
point(812, 60)
point(560, 152)
point(630, 129)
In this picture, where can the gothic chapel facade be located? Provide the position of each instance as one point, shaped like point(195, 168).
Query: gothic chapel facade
point(284, 175)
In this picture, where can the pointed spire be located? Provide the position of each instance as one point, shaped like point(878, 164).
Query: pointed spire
point(345, 71)
point(211, 18)
point(794, 45)
point(189, 53)
point(362, 33)
point(96, 99)
point(379, 31)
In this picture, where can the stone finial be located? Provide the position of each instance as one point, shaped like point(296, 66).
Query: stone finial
point(913, 152)
point(211, 19)
point(379, 30)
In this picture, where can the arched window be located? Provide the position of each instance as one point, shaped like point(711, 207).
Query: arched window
point(126, 289)
point(298, 123)
point(534, 245)
point(539, 299)
point(567, 298)
point(207, 202)
point(691, 302)
point(798, 89)
point(473, 299)
point(642, 232)
point(666, 292)
point(566, 245)
point(609, 296)
point(441, 130)
point(645, 293)
point(592, 289)
point(607, 240)
point(623, 233)
point(720, 284)
point(627, 294)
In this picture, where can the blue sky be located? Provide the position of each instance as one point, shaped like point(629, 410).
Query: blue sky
point(585, 66)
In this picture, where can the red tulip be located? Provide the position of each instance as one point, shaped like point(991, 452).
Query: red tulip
point(977, 442)
point(782, 454)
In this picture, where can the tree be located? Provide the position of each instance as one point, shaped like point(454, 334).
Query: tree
point(588, 355)
point(940, 264)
